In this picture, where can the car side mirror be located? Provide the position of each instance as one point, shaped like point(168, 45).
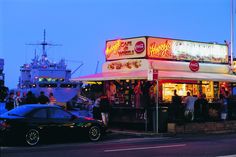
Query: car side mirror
point(73, 117)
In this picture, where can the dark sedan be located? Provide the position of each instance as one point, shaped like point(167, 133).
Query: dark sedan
point(31, 123)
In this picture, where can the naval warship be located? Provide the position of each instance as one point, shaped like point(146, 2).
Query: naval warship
point(43, 75)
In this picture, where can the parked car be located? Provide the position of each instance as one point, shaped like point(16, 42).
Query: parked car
point(31, 123)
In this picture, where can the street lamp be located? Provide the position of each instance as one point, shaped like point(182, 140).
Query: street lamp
point(232, 34)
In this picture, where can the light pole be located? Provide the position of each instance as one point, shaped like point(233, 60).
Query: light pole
point(232, 34)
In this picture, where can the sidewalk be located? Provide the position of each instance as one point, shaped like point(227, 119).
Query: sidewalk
point(137, 133)
point(204, 128)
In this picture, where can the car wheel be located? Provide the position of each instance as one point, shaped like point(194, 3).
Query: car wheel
point(94, 133)
point(32, 137)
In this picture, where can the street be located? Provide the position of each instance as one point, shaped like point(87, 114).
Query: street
point(181, 145)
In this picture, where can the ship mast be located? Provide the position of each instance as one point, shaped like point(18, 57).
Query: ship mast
point(44, 43)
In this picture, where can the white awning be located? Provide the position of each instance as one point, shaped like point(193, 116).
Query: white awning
point(162, 75)
point(179, 75)
point(134, 75)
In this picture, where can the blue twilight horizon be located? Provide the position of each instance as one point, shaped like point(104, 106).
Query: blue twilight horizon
point(83, 26)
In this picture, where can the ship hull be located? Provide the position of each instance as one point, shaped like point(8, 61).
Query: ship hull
point(62, 95)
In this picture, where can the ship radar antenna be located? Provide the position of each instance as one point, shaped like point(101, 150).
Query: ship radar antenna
point(35, 53)
point(96, 70)
point(44, 43)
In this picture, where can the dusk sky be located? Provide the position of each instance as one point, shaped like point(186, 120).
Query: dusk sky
point(83, 26)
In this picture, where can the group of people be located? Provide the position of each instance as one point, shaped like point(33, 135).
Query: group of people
point(145, 94)
point(197, 108)
point(97, 109)
point(16, 99)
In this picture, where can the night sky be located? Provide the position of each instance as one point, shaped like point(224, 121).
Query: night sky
point(83, 26)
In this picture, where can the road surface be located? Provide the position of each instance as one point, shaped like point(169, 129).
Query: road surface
point(185, 145)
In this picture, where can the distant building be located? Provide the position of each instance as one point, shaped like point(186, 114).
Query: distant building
point(1, 72)
point(3, 89)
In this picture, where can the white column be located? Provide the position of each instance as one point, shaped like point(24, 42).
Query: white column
point(157, 105)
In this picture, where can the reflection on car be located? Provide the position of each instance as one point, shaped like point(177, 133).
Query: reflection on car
point(30, 123)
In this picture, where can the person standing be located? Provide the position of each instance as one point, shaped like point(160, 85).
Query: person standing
point(201, 108)
point(205, 107)
point(153, 92)
point(10, 103)
point(23, 98)
point(176, 103)
point(189, 110)
point(105, 109)
point(4, 93)
point(43, 99)
point(18, 99)
point(111, 91)
point(30, 98)
point(137, 92)
point(223, 107)
point(230, 104)
point(96, 109)
point(52, 99)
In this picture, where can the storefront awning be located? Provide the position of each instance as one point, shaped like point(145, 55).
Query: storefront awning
point(179, 75)
point(162, 75)
point(137, 75)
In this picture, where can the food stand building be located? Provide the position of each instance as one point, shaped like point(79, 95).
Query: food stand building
point(172, 64)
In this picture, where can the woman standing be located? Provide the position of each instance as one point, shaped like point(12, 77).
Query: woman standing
point(52, 99)
point(137, 92)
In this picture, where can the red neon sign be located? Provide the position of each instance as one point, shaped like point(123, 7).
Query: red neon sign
point(160, 48)
point(125, 48)
point(113, 48)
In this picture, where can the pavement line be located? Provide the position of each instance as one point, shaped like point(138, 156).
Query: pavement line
point(144, 139)
point(143, 148)
point(233, 155)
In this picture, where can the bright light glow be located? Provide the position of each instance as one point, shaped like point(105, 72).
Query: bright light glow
point(160, 50)
point(125, 48)
point(186, 50)
point(113, 48)
point(90, 82)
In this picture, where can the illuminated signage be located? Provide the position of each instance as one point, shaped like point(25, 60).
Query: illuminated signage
point(194, 66)
point(159, 48)
point(234, 67)
point(135, 64)
point(139, 47)
point(113, 49)
point(125, 48)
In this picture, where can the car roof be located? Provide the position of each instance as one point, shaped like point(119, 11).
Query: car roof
point(41, 106)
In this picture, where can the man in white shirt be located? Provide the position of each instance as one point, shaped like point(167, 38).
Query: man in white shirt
point(189, 110)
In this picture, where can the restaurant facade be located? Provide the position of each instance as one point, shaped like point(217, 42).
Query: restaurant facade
point(141, 74)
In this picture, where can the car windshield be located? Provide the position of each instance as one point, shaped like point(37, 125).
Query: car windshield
point(19, 111)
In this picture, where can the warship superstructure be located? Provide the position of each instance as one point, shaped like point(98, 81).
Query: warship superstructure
point(43, 75)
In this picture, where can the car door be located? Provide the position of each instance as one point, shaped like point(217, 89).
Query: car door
point(39, 120)
point(60, 122)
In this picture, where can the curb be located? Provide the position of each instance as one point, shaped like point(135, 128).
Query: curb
point(140, 134)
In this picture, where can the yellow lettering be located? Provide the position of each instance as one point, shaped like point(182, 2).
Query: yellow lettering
point(161, 50)
point(113, 48)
